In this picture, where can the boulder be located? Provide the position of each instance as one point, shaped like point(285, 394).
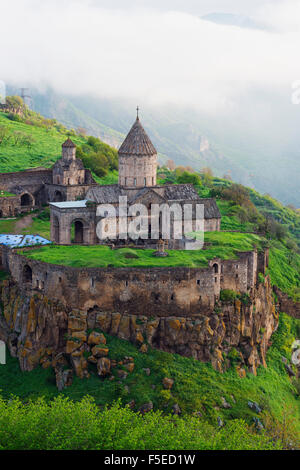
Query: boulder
point(96, 338)
point(103, 366)
point(176, 409)
point(146, 408)
point(254, 406)
point(144, 348)
point(99, 351)
point(122, 374)
point(167, 383)
point(225, 404)
point(129, 367)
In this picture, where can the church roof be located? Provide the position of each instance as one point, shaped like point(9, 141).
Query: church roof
point(137, 142)
point(68, 143)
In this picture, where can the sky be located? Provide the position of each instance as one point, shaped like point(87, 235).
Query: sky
point(151, 51)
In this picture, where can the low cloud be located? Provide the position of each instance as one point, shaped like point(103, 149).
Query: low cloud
point(146, 54)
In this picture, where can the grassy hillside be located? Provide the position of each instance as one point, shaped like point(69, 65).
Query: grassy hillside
point(198, 389)
point(42, 148)
point(223, 245)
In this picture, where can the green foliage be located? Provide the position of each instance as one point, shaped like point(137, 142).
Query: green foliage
point(197, 388)
point(228, 295)
point(191, 178)
point(222, 245)
point(63, 424)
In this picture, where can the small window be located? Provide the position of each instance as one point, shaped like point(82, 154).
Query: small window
point(43, 284)
point(93, 282)
point(236, 276)
point(134, 182)
point(198, 282)
point(59, 279)
point(37, 283)
point(216, 279)
point(145, 181)
point(172, 297)
point(126, 283)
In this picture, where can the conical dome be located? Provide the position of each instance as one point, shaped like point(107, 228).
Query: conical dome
point(68, 143)
point(137, 142)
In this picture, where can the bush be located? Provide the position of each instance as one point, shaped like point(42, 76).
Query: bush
point(228, 295)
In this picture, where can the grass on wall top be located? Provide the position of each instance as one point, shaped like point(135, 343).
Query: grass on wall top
point(223, 245)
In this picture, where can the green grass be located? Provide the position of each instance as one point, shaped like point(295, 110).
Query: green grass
point(223, 245)
point(197, 387)
point(6, 194)
point(45, 149)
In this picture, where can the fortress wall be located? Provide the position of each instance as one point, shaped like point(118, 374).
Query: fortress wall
point(140, 291)
point(9, 206)
point(27, 178)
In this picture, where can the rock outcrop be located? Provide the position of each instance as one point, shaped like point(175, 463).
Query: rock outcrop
point(37, 330)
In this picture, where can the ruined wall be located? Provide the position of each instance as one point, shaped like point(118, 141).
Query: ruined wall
point(9, 206)
point(286, 304)
point(137, 171)
point(68, 193)
point(25, 178)
point(61, 221)
point(169, 291)
point(38, 330)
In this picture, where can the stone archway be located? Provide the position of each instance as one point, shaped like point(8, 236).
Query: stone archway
point(77, 232)
point(58, 196)
point(216, 268)
point(26, 200)
point(56, 235)
point(27, 274)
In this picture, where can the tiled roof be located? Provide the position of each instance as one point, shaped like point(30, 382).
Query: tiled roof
point(69, 204)
point(14, 241)
point(68, 143)
point(137, 142)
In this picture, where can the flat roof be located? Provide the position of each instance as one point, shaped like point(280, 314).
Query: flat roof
point(69, 204)
point(14, 241)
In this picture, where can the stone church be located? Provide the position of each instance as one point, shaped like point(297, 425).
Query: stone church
point(67, 180)
point(75, 221)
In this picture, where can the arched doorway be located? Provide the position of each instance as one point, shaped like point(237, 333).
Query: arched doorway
point(216, 268)
point(27, 274)
point(26, 200)
point(56, 230)
point(77, 232)
point(58, 197)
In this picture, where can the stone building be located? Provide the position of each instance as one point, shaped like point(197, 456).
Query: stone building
point(137, 182)
point(66, 181)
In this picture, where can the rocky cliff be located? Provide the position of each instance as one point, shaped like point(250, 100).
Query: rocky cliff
point(40, 331)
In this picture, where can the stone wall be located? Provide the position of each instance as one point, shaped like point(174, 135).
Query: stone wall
point(169, 291)
point(137, 171)
point(25, 178)
point(38, 330)
point(9, 206)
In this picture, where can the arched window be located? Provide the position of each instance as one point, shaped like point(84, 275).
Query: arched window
point(77, 232)
point(216, 268)
point(27, 274)
point(26, 200)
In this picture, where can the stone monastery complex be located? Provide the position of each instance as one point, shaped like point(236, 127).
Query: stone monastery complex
point(176, 307)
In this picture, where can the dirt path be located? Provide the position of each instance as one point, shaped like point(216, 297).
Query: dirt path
point(23, 223)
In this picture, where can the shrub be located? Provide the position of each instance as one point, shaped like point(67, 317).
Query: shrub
point(228, 295)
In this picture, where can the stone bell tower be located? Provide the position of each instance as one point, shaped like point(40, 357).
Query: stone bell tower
point(137, 159)
point(68, 150)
